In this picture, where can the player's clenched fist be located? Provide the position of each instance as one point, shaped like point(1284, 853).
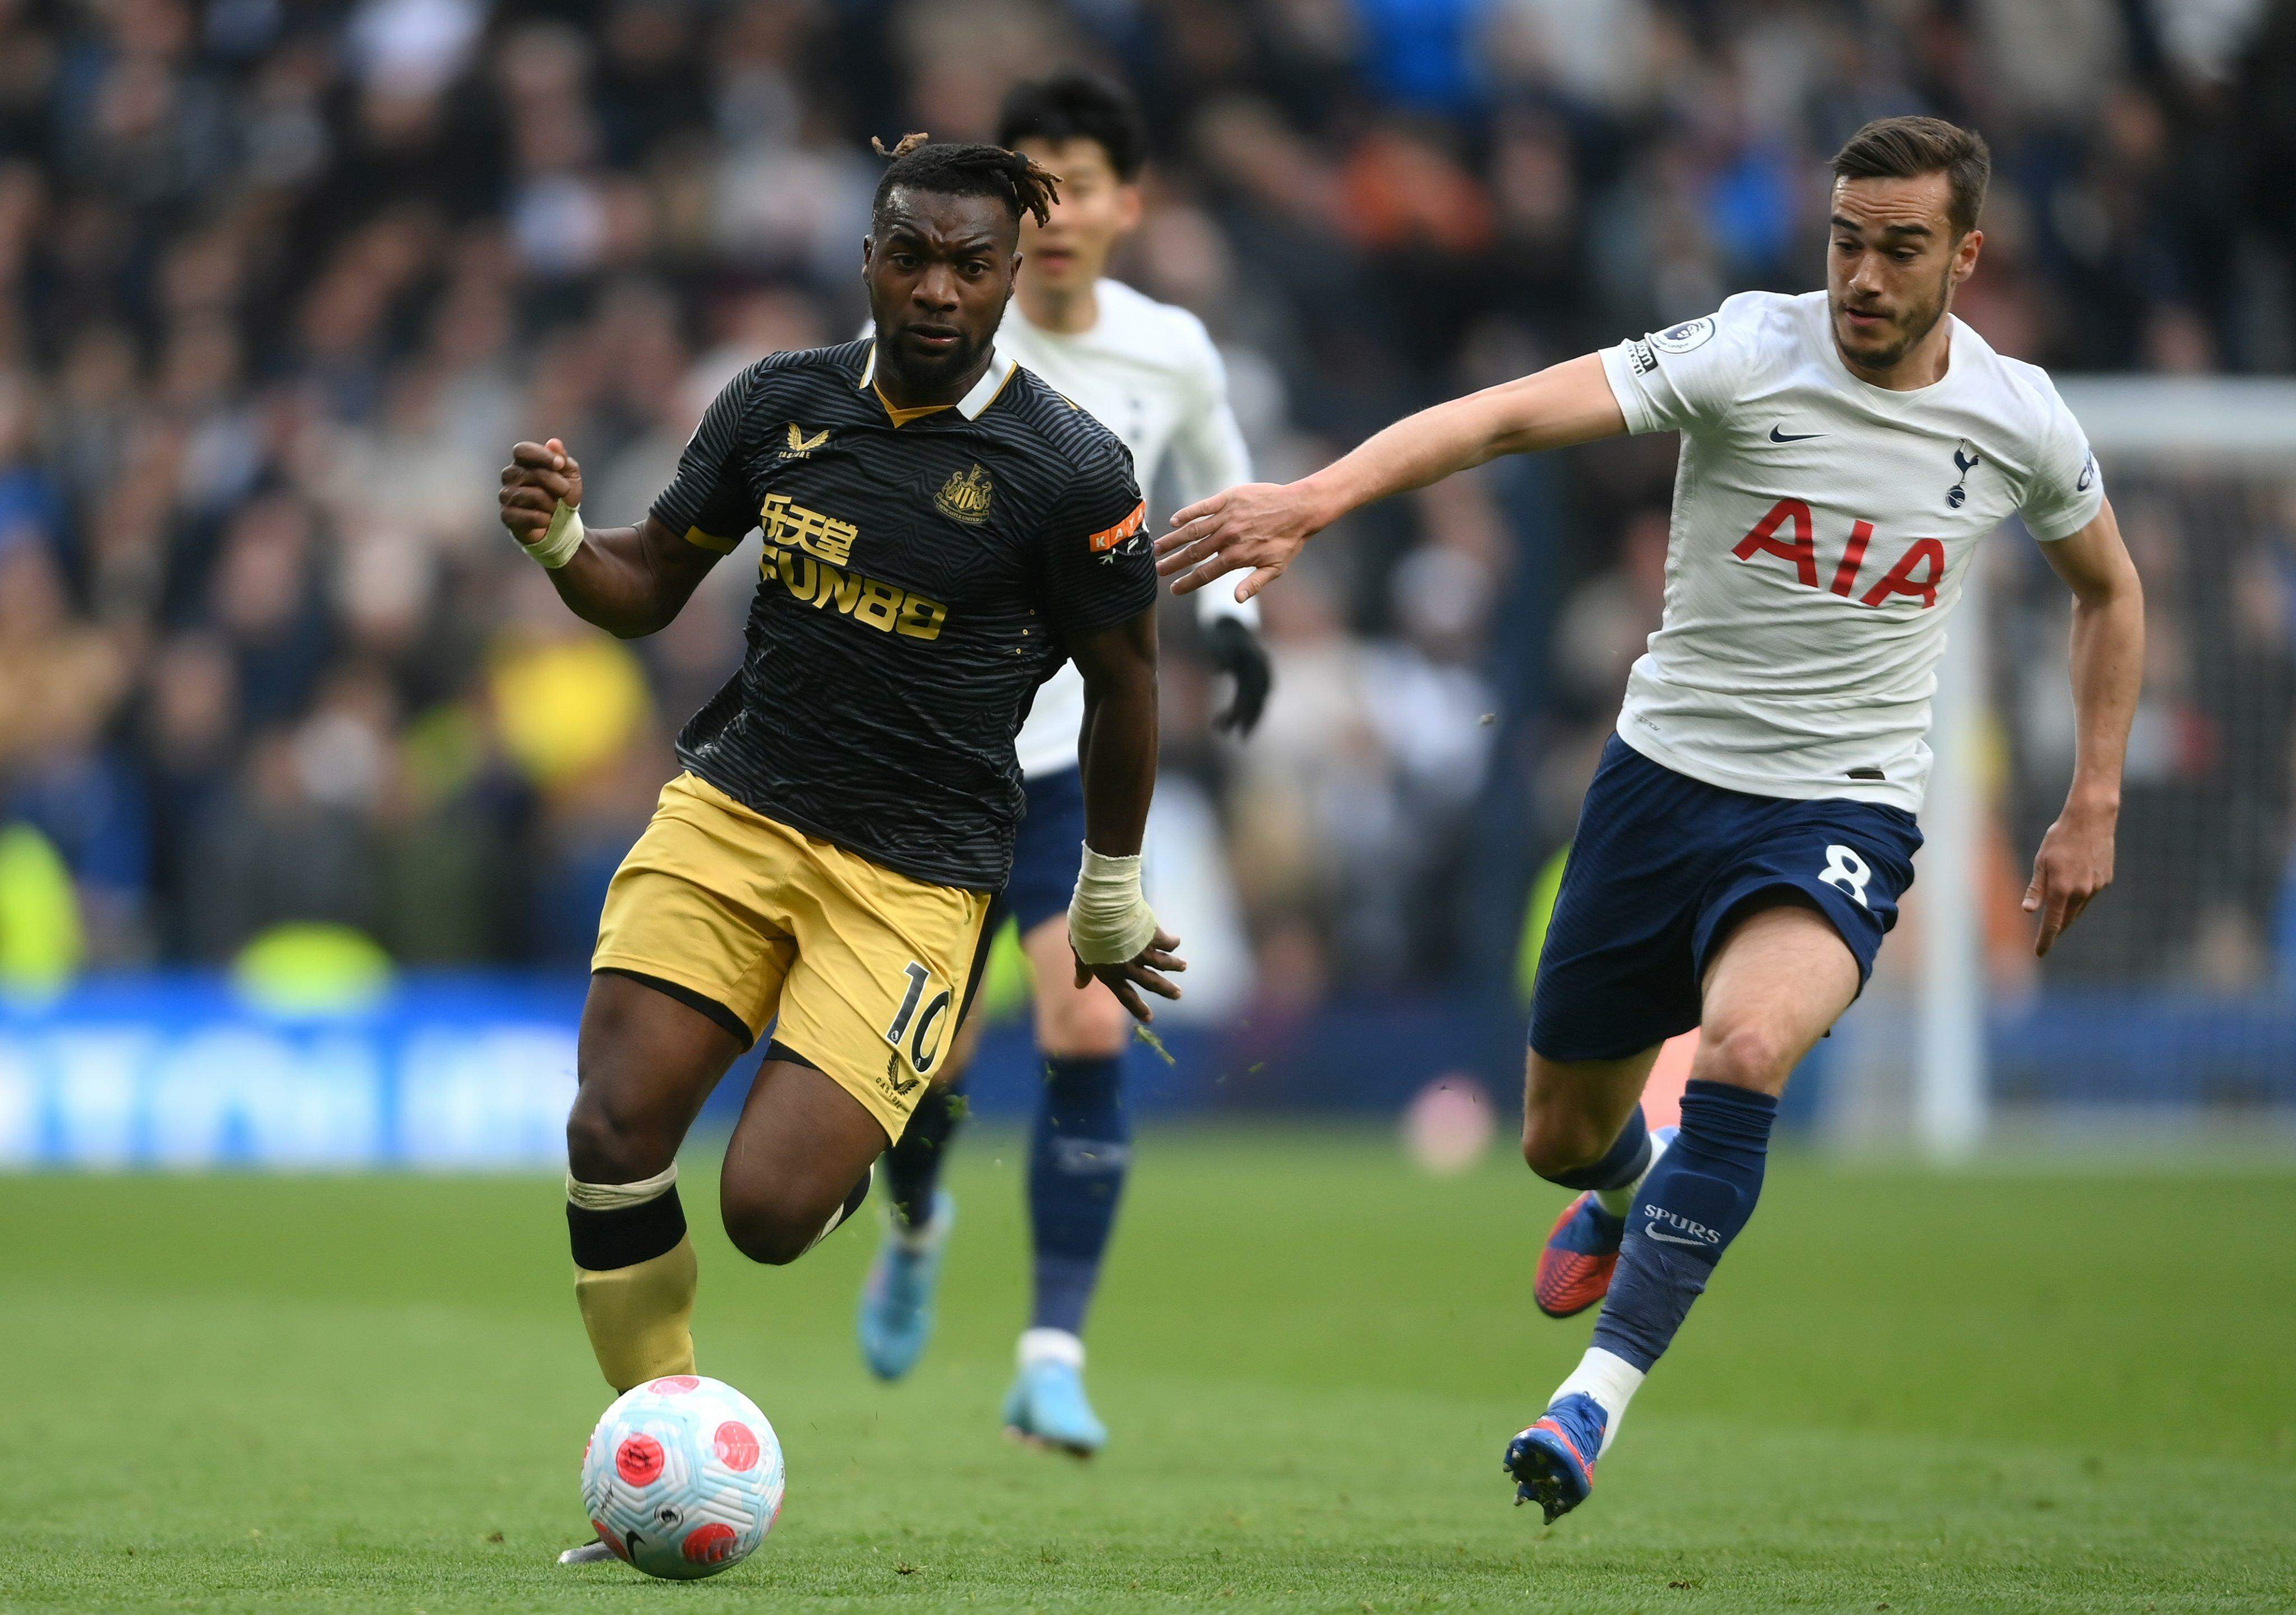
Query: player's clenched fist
point(539, 478)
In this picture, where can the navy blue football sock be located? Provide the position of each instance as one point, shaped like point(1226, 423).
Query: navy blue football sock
point(913, 1165)
point(1077, 1161)
point(1626, 1158)
point(1689, 1210)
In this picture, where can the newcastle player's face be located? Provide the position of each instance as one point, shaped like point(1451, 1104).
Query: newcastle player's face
point(939, 271)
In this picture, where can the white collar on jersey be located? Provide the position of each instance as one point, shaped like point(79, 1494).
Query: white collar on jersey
point(983, 393)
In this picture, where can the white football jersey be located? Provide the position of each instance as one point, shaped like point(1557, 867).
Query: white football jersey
point(1148, 372)
point(1822, 530)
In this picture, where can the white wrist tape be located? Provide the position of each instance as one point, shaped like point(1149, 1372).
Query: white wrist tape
point(559, 540)
point(1109, 922)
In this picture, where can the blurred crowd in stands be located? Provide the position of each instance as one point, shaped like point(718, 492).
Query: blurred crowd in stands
point(281, 282)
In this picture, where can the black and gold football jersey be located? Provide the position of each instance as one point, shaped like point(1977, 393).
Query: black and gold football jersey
point(921, 575)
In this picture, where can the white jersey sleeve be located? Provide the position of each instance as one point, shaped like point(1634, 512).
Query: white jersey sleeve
point(2064, 491)
point(1685, 377)
point(1208, 454)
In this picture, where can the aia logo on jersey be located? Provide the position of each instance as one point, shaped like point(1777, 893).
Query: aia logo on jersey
point(1965, 459)
point(1917, 573)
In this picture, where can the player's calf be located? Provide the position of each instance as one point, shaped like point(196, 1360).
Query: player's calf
point(646, 1059)
point(635, 1275)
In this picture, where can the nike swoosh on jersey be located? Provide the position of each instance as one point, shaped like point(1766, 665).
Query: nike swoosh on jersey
point(1778, 436)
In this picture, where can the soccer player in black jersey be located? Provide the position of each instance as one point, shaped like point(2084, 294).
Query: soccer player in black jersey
point(940, 531)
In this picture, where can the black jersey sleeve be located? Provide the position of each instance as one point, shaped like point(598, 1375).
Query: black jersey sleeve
point(708, 502)
point(1098, 568)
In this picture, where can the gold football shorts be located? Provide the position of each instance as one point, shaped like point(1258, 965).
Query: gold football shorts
point(861, 971)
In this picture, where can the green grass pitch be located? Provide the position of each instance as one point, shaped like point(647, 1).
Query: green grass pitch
point(2049, 1386)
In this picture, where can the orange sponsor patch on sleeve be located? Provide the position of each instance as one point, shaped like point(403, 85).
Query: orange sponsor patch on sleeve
point(1108, 538)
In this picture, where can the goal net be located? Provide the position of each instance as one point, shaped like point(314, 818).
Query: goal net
point(2172, 1002)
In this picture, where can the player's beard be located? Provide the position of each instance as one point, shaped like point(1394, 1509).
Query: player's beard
point(1916, 321)
point(926, 375)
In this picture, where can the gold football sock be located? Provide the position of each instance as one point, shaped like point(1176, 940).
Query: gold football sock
point(635, 1275)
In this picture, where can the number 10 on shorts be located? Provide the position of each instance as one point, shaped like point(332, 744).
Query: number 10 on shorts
point(914, 1023)
point(1843, 869)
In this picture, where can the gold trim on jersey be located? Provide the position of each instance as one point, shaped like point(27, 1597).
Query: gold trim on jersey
point(710, 541)
point(981, 395)
point(901, 417)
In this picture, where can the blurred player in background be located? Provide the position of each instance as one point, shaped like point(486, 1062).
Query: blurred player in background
point(1750, 831)
point(941, 530)
point(1150, 373)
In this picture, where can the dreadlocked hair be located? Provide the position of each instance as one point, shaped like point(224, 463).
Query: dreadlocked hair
point(946, 168)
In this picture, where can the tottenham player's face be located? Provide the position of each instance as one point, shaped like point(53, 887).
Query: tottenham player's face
point(1892, 261)
point(1070, 250)
point(939, 271)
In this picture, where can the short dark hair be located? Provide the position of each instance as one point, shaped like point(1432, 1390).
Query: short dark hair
point(1907, 148)
point(946, 168)
point(1078, 106)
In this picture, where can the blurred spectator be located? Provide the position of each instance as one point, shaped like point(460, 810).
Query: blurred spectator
point(279, 285)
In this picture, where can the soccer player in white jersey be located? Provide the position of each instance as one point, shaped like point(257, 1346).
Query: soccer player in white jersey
point(1148, 372)
point(1750, 831)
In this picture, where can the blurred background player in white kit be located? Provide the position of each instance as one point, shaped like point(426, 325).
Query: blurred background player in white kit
point(1148, 371)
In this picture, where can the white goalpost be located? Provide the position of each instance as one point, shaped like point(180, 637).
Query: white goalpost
point(2201, 469)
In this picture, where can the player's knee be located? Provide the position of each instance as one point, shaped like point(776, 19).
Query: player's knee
point(1089, 1025)
point(1557, 1141)
point(766, 1228)
point(772, 1225)
point(607, 1143)
point(1743, 1053)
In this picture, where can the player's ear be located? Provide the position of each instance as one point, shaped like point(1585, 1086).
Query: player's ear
point(1965, 254)
point(1129, 206)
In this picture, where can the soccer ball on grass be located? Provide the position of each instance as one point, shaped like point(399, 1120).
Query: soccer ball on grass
point(683, 1477)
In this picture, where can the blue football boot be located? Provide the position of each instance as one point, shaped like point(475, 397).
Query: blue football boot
point(896, 1301)
point(1047, 1407)
point(1552, 1462)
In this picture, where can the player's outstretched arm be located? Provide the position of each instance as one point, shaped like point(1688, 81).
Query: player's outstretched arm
point(2075, 862)
point(628, 581)
point(1261, 525)
point(1111, 930)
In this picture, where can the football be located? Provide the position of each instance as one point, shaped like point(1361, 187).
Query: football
point(683, 1477)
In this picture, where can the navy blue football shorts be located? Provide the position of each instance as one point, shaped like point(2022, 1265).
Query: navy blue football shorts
point(1663, 864)
point(1048, 849)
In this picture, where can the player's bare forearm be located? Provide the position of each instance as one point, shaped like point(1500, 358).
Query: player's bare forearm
point(2075, 862)
point(1115, 938)
point(1262, 525)
point(1565, 403)
point(2108, 663)
point(1118, 744)
point(629, 581)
